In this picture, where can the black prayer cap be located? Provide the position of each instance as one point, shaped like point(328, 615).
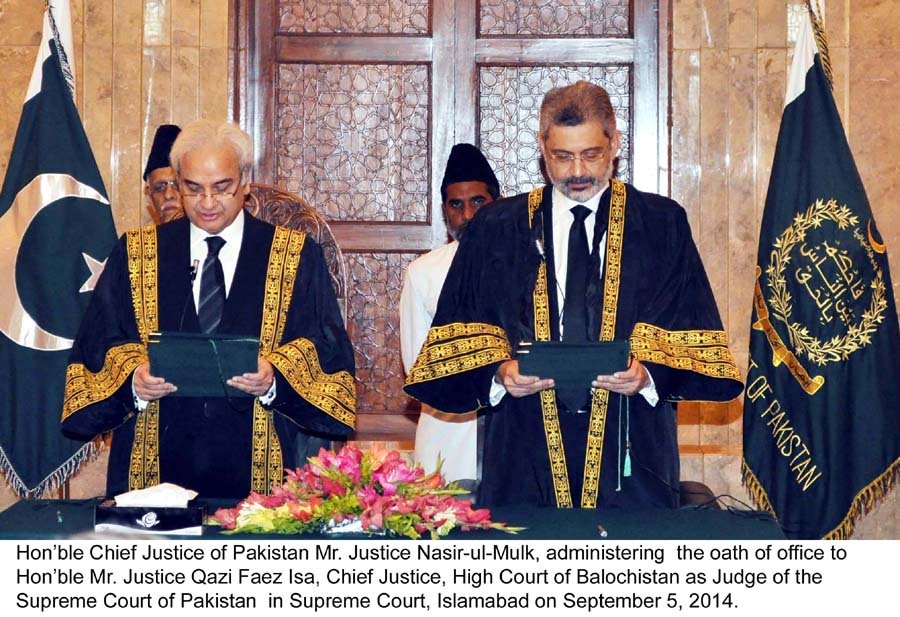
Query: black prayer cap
point(467, 164)
point(162, 145)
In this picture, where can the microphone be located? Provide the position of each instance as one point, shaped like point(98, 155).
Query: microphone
point(195, 265)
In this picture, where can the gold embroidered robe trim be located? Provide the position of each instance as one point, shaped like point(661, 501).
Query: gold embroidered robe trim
point(459, 347)
point(333, 393)
point(267, 462)
point(549, 412)
point(600, 398)
point(143, 268)
point(84, 387)
point(701, 351)
point(615, 236)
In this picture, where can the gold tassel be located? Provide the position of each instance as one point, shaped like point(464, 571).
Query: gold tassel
point(821, 36)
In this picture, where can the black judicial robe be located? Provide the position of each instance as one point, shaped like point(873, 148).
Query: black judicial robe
point(653, 290)
point(281, 293)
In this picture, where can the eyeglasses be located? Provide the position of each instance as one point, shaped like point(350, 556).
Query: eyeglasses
point(160, 187)
point(216, 195)
point(591, 155)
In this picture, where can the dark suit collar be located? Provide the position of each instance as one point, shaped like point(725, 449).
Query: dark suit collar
point(250, 270)
point(176, 302)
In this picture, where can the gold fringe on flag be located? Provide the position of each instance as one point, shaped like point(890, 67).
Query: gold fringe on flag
point(864, 502)
point(757, 493)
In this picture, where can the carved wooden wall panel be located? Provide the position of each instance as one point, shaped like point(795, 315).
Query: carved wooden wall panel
point(375, 281)
point(355, 137)
point(600, 18)
point(354, 16)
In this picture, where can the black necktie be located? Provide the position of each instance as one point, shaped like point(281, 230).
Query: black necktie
point(212, 287)
point(574, 317)
point(578, 265)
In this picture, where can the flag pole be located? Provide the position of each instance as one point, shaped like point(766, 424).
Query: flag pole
point(816, 18)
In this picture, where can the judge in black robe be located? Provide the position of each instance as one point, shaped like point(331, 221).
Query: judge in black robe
point(653, 290)
point(217, 446)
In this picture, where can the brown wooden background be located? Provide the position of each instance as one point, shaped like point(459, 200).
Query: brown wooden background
point(355, 106)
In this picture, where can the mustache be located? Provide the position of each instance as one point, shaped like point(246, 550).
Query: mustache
point(580, 180)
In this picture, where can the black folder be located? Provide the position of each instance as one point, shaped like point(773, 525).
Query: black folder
point(199, 364)
point(572, 365)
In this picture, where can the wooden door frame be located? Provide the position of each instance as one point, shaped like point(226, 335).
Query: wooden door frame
point(454, 59)
point(454, 53)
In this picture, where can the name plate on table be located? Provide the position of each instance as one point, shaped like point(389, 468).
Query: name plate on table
point(572, 365)
point(200, 364)
point(149, 520)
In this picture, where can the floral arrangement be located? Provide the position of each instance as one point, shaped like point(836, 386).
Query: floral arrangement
point(371, 492)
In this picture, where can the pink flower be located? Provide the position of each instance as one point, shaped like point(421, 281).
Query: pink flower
point(347, 462)
point(227, 517)
point(367, 495)
point(394, 470)
point(256, 498)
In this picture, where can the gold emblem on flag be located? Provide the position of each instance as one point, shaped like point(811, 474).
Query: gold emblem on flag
point(832, 285)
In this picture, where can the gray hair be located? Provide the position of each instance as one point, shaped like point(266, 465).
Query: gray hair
point(576, 104)
point(203, 133)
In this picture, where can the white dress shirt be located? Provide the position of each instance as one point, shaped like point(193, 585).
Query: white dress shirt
point(562, 223)
point(228, 254)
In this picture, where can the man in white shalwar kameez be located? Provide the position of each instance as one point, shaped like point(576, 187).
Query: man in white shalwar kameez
point(469, 183)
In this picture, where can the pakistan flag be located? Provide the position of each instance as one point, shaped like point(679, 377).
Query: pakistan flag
point(56, 230)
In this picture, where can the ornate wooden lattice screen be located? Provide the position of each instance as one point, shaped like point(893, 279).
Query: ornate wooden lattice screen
point(355, 104)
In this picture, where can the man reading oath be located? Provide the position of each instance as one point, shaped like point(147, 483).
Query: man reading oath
point(218, 270)
point(588, 258)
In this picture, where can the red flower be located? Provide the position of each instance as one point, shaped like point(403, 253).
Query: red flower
point(431, 481)
point(274, 501)
point(331, 488)
point(482, 515)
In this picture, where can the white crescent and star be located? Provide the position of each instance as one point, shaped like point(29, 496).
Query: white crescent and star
point(96, 268)
point(43, 190)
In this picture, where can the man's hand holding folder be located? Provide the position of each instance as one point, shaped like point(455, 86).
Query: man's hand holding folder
point(552, 364)
point(257, 383)
point(203, 365)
